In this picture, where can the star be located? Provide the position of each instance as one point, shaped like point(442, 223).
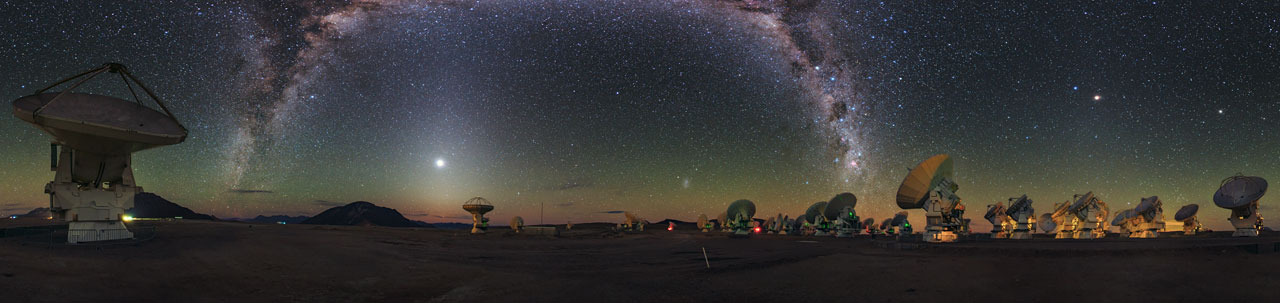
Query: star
point(439, 162)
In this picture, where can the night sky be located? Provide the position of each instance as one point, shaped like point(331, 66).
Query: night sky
point(669, 109)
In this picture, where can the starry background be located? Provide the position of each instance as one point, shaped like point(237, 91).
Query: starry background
point(669, 109)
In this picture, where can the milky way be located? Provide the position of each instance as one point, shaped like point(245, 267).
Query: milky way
point(803, 36)
point(664, 108)
point(276, 90)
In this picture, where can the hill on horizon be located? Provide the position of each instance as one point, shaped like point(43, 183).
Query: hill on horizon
point(39, 212)
point(361, 213)
point(149, 205)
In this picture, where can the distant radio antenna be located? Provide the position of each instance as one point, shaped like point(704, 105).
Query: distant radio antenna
point(478, 207)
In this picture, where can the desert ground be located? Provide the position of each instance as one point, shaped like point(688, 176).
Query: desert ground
point(201, 261)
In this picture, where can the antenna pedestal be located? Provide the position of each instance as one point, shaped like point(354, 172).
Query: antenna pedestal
point(1000, 231)
point(904, 230)
point(943, 224)
point(822, 228)
point(741, 226)
point(1147, 230)
point(1142, 233)
point(1089, 224)
point(1246, 226)
point(1067, 229)
point(1090, 232)
point(1190, 227)
point(478, 207)
point(936, 236)
point(1024, 224)
point(479, 223)
point(847, 228)
point(91, 192)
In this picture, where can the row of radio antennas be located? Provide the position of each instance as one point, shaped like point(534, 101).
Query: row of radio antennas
point(929, 186)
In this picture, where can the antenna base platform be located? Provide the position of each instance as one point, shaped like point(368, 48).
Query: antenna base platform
point(92, 231)
point(1144, 234)
point(1190, 228)
point(1090, 233)
point(940, 236)
point(1246, 226)
point(1245, 232)
point(94, 212)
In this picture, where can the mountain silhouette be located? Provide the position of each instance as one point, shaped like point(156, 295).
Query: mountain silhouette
point(361, 213)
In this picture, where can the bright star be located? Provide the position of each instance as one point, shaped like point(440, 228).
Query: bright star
point(439, 162)
point(1097, 97)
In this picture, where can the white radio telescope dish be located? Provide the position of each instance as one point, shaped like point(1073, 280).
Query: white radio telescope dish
point(478, 206)
point(840, 210)
point(517, 224)
point(817, 218)
point(93, 184)
point(1086, 218)
point(1022, 216)
point(1240, 194)
point(740, 214)
point(929, 186)
point(1187, 215)
point(1046, 223)
point(1000, 223)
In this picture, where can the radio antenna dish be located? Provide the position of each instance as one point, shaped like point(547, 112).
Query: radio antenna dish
point(1127, 220)
point(779, 225)
point(1187, 215)
point(1022, 216)
point(886, 226)
point(1149, 216)
point(817, 219)
point(631, 223)
point(1086, 218)
point(741, 214)
point(840, 211)
point(93, 184)
point(723, 221)
point(1000, 223)
point(517, 224)
point(1240, 194)
point(478, 207)
point(1047, 224)
point(768, 224)
point(929, 186)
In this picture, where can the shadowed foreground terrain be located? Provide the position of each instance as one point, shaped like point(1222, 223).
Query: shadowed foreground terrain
point(194, 261)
